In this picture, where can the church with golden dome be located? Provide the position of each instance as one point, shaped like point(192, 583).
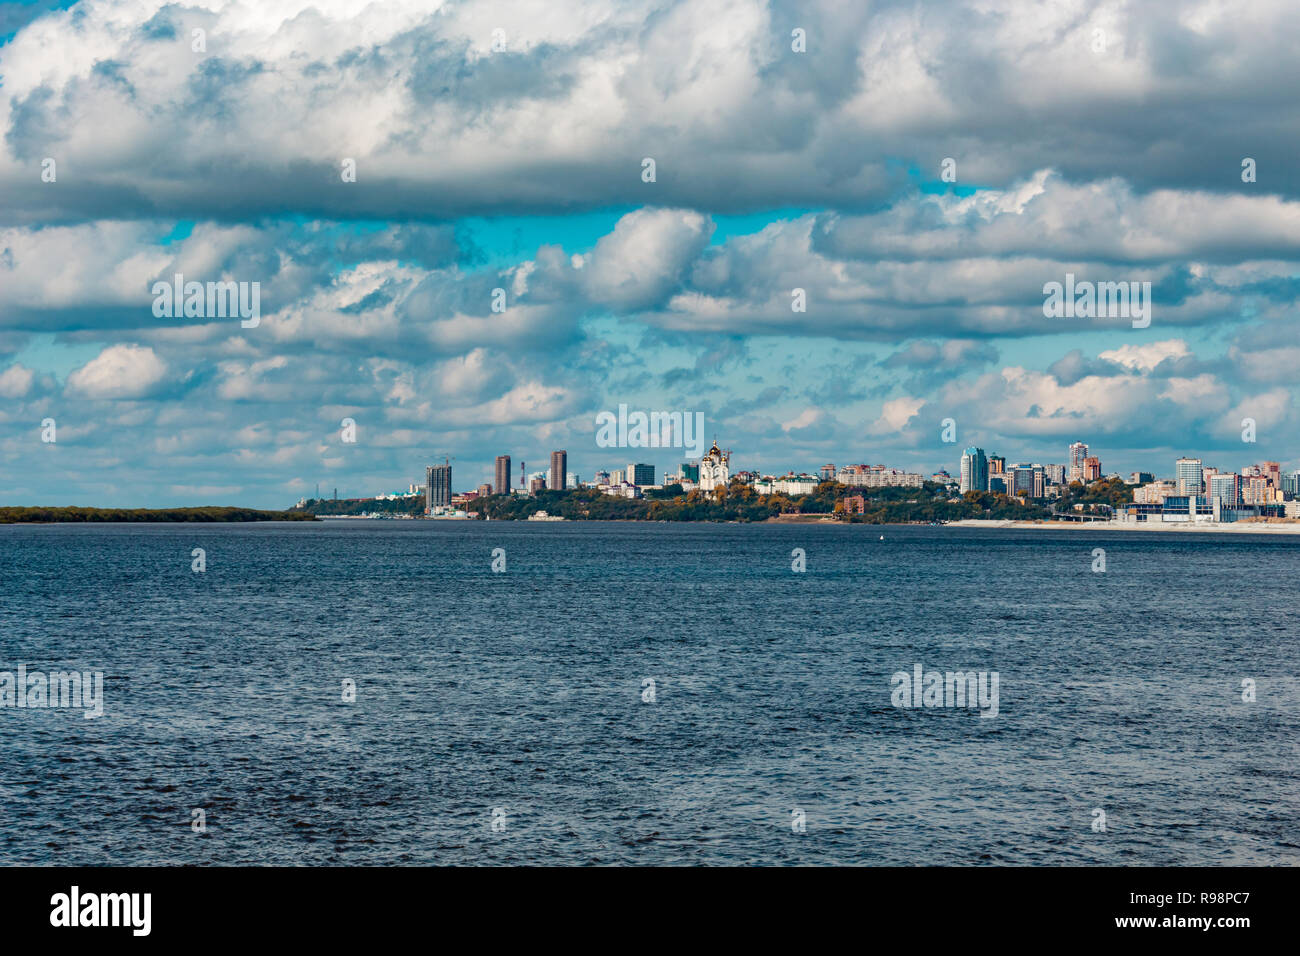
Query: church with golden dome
point(714, 468)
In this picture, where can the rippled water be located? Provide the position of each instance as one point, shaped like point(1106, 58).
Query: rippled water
point(522, 691)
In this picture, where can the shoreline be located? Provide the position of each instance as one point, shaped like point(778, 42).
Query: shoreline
point(1206, 527)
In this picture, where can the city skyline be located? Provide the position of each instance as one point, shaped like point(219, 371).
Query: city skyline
point(970, 474)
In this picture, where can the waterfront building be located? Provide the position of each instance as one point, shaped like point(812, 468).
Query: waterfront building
point(1091, 469)
point(789, 485)
point(1154, 493)
point(826, 472)
point(1187, 475)
point(1077, 454)
point(878, 476)
point(1028, 479)
point(536, 484)
point(1255, 490)
point(974, 470)
point(438, 487)
point(559, 477)
point(502, 482)
point(1226, 488)
point(484, 490)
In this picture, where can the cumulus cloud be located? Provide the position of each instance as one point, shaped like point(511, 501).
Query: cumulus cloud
point(120, 371)
point(16, 381)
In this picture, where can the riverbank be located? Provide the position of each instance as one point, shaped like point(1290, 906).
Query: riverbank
point(65, 514)
point(1235, 527)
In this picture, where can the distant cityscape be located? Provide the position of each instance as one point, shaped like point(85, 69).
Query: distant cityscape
point(1194, 492)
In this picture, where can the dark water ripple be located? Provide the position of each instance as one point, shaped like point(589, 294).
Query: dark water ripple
point(522, 691)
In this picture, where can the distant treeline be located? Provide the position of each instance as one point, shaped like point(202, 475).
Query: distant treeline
point(72, 513)
point(740, 502)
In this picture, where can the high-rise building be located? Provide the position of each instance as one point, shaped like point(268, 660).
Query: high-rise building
point(641, 475)
point(1255, 490)
point(1226, 487)
point(1187, 474)
point(536, 484)
point(1054, 474)
point(484, 490)
point(1029, 479)
point(1091, 469)
point(559, 471)
point(974, 470)
point(691, 472)
point(502, 483)
point(437, 486)
point(826, 472)
point(1078, 452)
point(997, 465)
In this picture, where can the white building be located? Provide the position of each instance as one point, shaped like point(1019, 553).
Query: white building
point(789, 485)
point(715, 469)
point(877, 476)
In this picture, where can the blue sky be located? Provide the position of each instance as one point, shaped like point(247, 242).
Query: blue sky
point(218, 155)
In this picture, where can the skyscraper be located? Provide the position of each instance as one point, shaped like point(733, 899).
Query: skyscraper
point(1187, 472)
point(559, 471)
point(974, 470)
point(502, 482)
point(1078, 452)
point(437, 487)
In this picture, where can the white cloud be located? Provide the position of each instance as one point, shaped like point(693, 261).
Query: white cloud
point(1146, 357)
point(16, 381)
point(120, 371)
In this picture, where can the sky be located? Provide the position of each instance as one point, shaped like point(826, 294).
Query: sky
point(502, 146)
